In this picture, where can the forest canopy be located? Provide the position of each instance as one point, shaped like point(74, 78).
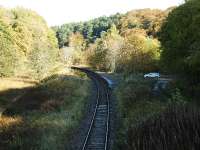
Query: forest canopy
point(121, 42)
point(180, 41)
point(91, 30)
point(27, 46)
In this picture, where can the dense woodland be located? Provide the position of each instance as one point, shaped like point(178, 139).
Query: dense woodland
point(180, 42)
point(139, 41)
point(122, 42)
point(28, 46)
point(125, 45)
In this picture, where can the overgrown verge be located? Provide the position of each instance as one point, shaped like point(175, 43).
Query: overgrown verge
point(154, 122)
point(12, 89)
point(46, 115)
point(176, 128)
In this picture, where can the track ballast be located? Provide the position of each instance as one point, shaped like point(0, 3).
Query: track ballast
point(97, 137)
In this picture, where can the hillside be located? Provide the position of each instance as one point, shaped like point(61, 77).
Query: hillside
point(136, 87)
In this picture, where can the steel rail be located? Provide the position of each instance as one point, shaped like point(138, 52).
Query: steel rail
point(108, 120)
point(93, 118)
point(100, 82)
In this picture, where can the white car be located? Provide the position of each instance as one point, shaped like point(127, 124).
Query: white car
point(152, 75)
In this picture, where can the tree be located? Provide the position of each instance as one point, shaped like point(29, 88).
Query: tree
point(27, 45)
point(77, 41)
point(91, 30)
point(7, 51)
point(78, 44)
point(180, 41)
point(139, 53)
point(104, 52)
point(147, 19)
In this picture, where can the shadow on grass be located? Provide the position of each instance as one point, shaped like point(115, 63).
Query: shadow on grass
point(44, 116)
point(33, 98)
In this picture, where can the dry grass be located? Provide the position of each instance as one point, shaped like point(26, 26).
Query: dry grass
point(50, 112)
point(177, 128)
point(11, 89)
point(16, 83)
point(50, 105)
point(6, 122)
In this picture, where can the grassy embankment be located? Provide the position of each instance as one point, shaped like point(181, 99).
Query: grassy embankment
point(154, 122)
point(12, 89)
point(46, 115)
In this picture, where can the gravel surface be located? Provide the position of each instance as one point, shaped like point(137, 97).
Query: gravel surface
point(78, 137)
point(113, 108)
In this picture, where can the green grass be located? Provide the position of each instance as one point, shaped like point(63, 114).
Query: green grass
point(145, 118)
point(49, 113)
point(154, 122)
point(136, 104)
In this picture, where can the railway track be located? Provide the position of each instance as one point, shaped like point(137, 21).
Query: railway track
point(97, 137)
